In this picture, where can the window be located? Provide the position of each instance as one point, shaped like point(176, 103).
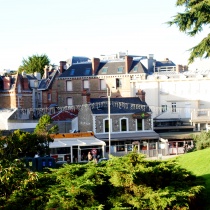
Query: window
point(120, 69)
point(39, 96)
point(49, 96)
point(164, 108)
point(87, 72)
point(85, 84)
point(72, 72)
point(135, 69)
point(69, 101)
point(118, 83)
point(173, 106)
point(19, 88)
point(104, 70)
point(106, 125)
point(139, 124)
point(123, 124)
point(69, 86)
point(102, 84)
point(120, 146)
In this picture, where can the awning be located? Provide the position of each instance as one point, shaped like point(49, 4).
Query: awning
point(69, 142)
point(167, 120)
point(129, 136)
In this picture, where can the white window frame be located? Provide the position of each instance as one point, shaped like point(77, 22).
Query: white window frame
point(127, 125)
point(69, 85)
point(142, 126)
point(164, 108)
point(173, 107)
point(69, 101)
point(104, 125)
point(86, 84)
point(49, 97)
point(102, 84)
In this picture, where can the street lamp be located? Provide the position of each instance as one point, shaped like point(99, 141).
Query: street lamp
point(108, 96)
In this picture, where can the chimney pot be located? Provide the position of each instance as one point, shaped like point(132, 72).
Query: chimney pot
point(141, 95)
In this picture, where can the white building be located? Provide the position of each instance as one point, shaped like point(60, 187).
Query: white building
point(182, 97)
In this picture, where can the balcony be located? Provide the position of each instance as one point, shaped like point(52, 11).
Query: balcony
point(200, 115)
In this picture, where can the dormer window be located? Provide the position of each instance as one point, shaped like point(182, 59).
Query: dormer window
point(135, 69)
point(104, 70)
point(87, 72)
point(120, 69)
point(72, 72)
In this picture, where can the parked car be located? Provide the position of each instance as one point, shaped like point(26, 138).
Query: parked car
point(60, 163)
point(102, 159)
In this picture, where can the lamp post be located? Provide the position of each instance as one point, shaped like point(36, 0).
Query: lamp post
point(108, 96)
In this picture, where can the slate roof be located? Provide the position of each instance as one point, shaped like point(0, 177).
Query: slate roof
point(81, 69)
point(164, 63)
point(77, 59)
point(119, 105)
point(112, 67)
point(31, 77)
point(141, 67)
point(45, 83)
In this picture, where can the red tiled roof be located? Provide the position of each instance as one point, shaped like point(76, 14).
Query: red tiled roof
point(64, 115)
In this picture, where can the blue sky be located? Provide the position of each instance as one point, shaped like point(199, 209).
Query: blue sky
point(62, 28)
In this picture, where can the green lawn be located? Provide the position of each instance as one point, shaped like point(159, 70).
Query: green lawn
point(199, 164)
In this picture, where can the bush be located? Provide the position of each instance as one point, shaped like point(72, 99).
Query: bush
point(128, 182)
point(202, 140)
point(125, 182)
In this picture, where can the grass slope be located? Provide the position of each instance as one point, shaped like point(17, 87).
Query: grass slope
point(199, 164)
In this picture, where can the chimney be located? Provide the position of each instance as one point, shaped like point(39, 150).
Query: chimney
point(85, 97)
point(128, 63)
point(62, 66)
point(95, 65)
point(7, 82)
point(45, 76)
point(25, 83)
point(151, 63)
point(141, 95)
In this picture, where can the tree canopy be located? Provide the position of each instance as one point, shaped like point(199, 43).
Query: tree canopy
point(191, 22)
point(34, 63)
point(128, 182)
point(45, 126)
point(24, 144)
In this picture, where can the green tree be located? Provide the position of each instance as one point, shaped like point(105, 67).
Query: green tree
point(44, 128)
point(191, 22)
point(202, 140)
point(34, 63)
point(24, 144)
point(128, 182)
